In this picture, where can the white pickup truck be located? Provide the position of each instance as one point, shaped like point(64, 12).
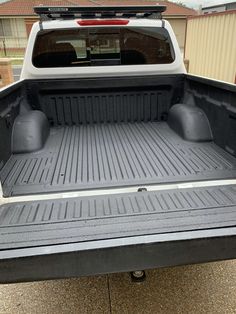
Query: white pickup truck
point(112, 158)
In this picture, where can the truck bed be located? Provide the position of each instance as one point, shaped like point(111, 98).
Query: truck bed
point(111, 182)
point(114, 155)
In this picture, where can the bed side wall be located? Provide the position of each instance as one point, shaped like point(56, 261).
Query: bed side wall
point(10, 99)
point(218, 101)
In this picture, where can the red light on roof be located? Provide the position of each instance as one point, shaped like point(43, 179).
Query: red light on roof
point(102, 22)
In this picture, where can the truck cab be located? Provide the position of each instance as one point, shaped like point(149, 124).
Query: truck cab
point(102, 47)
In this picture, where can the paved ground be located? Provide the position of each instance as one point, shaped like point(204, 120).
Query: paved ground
point(207, 288)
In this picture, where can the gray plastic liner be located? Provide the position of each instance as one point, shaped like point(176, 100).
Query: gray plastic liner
point(36, 223)
point(114, 155)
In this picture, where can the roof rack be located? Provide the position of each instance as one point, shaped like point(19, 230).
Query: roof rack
point(70, 12)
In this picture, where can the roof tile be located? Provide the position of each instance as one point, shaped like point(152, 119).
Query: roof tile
point(25, 7)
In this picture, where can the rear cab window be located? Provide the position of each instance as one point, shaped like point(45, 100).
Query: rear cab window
point(102, 46)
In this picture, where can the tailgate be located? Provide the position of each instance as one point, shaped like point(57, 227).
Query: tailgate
point(85, 235)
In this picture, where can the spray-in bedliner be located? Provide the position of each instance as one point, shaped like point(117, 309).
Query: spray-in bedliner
point(79, 219)
point(112, 155)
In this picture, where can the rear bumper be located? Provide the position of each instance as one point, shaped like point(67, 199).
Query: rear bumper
point(117, 255)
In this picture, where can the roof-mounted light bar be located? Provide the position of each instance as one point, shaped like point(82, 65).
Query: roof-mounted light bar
point(47, 13)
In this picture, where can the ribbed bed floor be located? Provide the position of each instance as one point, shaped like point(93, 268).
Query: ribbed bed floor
point(106, 155)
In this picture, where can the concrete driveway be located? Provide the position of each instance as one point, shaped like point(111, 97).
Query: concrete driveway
point(207, 288)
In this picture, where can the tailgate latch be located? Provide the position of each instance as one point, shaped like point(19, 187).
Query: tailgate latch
point(142, 190)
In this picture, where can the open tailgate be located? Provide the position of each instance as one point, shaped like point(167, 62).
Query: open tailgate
point(86, 235)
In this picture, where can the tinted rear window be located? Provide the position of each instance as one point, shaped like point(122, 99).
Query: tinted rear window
point(102, 46)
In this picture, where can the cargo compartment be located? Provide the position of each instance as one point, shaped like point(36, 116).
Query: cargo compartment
point(69, 138)
point(125, 148)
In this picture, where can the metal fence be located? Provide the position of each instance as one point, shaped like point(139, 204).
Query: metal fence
point(12, 47)
point(211, 45)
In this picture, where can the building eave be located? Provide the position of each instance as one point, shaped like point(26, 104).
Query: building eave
point(17, 16)
point(218, 5)
point(36, 16)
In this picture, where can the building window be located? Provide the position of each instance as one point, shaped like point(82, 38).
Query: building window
point(5, 28)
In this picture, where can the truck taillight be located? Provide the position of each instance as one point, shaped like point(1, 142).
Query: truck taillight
point(102, 22)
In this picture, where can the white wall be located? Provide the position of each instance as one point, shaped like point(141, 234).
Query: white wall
point(221, 8)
